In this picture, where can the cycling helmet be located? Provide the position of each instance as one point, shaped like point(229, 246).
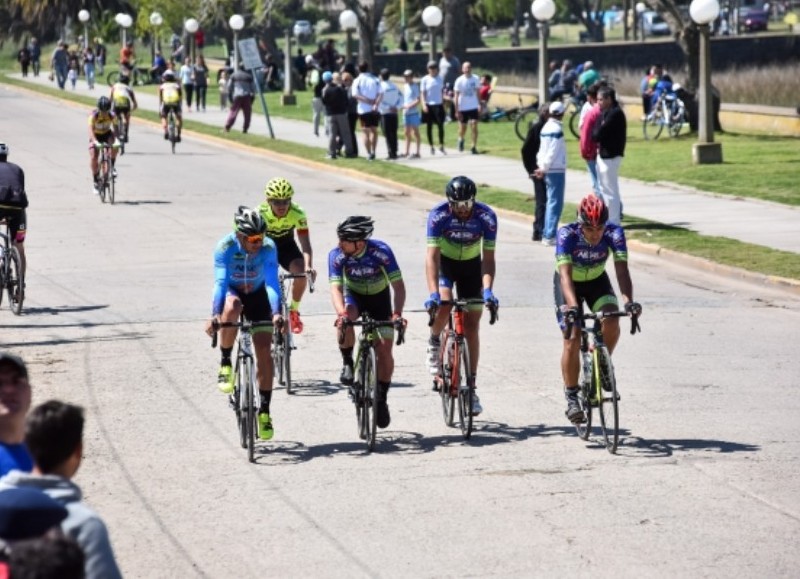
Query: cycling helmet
point(355, 228)
point(249, 221)
point(104, 104)
point(168, 75)
point(592, 211)
point(124, 79)
point(278, 188)
point(3, 150)
point(460, 189)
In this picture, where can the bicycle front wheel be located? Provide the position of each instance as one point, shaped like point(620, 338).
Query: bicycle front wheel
point(450, 359)
point(112, 184)
point(2, 273)
point(248, 410)
point(15, 282)
point(676, 121)
point(523, 123)
point(466, 391)
point(653, 124)
point(286, 369)
point(609, 409)
point(585, 398)
point(112, 78)
point(574, 122)
point(278, 342)
point(369, 384)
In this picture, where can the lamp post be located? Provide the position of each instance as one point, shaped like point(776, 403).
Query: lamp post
point(705, 151)
point(83, 16)
point(156, 20)
point(124, 21)
point(348, 20)
point(236, 22)
point(288, 98)
point(543, 11)
point(432, 18)
point(639, 24)
point(191, 25)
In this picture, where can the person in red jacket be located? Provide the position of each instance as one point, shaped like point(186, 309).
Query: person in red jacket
point(590, 115)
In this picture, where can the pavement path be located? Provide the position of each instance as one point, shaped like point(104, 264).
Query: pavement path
point(759, 222)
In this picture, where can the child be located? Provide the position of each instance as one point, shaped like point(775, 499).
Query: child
point(72, 75)
point(223, 90)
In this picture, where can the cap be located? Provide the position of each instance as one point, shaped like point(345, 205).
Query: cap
point(16, 361)
point(384, 71)
point(327, 76)
point(556, 108)
point(408, 72)
point(28, 513)
point(433, 64)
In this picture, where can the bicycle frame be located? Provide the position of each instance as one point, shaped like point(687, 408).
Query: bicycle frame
point(11, 278)
point(107, 179)
point(283, 340)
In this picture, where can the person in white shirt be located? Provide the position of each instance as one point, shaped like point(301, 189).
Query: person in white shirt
point(552, 161)
point(367, 91)
point(390, 103)
point(411, 118)
point(467, 105)
point(431, 88)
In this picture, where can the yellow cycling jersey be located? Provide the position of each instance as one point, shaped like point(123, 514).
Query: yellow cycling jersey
point(170, 93)
point(283, 227)
point(121, 95)
point(101, 122)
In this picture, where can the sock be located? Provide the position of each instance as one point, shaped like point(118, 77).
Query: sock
point(347, 355)
point(266, 398)
point(226, 356)
point(294, 306)
point(434, 341)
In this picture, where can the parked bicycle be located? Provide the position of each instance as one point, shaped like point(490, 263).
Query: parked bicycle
point(172, 129)
point(526, 116)
point(598, 385)
point(669, 112)
point(283, 342)
point(139, 75)
point(245, 399)
point(107, 180)
point(12, 281)
point(455, 381)
point(365, 390)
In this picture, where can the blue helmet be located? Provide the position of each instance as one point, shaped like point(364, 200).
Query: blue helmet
point(327, 76)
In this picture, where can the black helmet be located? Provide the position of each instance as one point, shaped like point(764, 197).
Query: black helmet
point(460, 189)
point(124, 79)
point(3, 150)
point(249, 221)
point(355, 228)
point(104, 104)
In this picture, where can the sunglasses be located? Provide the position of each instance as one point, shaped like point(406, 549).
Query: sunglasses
point(280, 202)
point(462, 205)
point(255, 238)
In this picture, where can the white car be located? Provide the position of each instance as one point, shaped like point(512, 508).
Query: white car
point(303, 30)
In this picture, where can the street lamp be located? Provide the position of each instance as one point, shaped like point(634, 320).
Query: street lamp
point(543, 11)
point(124, 21)
point(432, 18)
point(705, 151)
point(288, 98)
point(156, 20)
point(191, 26)
point(83, 16)
point(640, 8)
point(236, 22)
point(348, 20)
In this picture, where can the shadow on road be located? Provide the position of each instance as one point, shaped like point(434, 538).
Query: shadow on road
point(54, 311)
point(636, 446)
point(144, 202)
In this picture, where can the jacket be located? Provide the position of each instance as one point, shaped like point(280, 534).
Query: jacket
point(552, 156)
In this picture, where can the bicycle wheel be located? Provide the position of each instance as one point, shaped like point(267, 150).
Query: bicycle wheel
point(103, 181)
point(2, 274)
point(676, 121)
point(277, 356)
point(286, 369)
point(585, 397)
point(523, 123)
point(369, 380)
point(15, 281)
point(609, 410)
point(112, 183)
point(466, 390)
point(112, 78)
point(450, 358)
point(653, 124)
point(238, 401)
point(171, 130)
point(574, 121)
point(249, 410)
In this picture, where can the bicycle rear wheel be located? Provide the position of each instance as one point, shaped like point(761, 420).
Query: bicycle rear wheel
point(369, 408)
point(466, 391)
point(676, 120)
point(653, 124)
point(450, 358)
point(574, 121)
point(278, 342)
point(112, 78)
point(112, 184)
point(15, 282)
point(609, 409)
point(171, 131)
point(2, 273)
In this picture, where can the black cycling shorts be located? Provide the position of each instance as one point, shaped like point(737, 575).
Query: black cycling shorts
point(595, 293)
point(17, 223)
point(255, 304)
point(288, 251)
point(465, 275)
point(379, 305)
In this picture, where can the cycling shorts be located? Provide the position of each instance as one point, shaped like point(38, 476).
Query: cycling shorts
point(287, 251)
point(107, 138)
point(17, 223)
point(122, 109)
point(165, 108)
point(379, 307)
point(595, 293)
point(255, 306)
point(465, 275)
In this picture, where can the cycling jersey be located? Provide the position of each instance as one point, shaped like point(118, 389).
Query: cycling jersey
point(279, 228)
point(589, 261)
point(121, 96)
point(368, 273)
point(461, 240)
point(235, 269)
point(170, 93)
point(101, 123)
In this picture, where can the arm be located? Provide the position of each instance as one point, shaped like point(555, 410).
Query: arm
point(93, 538)
point(488, 268)
point(337, 299)
point(305, 246)
point(399, 296)
point(432, 258)
point(567, 286)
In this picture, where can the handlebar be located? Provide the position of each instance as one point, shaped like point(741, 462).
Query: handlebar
point(306, 275)
point(399, 324)
point(247, 326)
point(599, 316)
point(461, 304)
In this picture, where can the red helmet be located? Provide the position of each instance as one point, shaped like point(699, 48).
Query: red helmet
point(592, 211)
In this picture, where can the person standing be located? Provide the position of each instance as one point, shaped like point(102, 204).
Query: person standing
point(241, 93)
point(35, 52)
point(15, 401)
point(432, 97)
point(89, 59)
point(352, 112)
point(467, 105)
point(390, 103)
point(59, 64)
point(187, 83)
point(529, 151)
point(367, 91)
point(334, 97)
point(100, 53)
point(590, 116)
point(24, 59)
point(411, 118)
point(552, 161)
point(449, 68)
point(200, 78)
point(317, 107)
point(611, 134)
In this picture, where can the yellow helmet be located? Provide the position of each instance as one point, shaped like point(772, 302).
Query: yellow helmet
point(278, 188)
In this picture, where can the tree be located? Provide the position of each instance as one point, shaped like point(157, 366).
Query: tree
point(369, 16)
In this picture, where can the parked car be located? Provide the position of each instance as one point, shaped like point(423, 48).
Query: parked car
point(653, 24)
point(303, 31)
point(753, 19)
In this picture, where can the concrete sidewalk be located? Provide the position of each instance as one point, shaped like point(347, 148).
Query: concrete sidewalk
point(752, 221)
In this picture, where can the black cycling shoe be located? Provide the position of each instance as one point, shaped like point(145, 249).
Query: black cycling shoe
point(574, 411)
point(346, 377)
point(383, 418)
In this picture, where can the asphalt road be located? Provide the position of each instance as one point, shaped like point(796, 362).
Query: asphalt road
point(704, 484)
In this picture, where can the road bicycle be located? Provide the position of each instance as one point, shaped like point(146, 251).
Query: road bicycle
point(525, 117)
point(106, 182)
point(139, 76)
point(283, 342)
point(598, 385)
point(122, 131)
point(454, 380)
point(365, 389)
point(245, 400)
point(12, 281)
point(172, 129)
point(669, 112)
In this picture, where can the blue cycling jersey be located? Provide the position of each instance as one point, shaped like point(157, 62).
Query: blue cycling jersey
point(237, 270)
point(367, 273)
point(461, 240)
point(589, 261)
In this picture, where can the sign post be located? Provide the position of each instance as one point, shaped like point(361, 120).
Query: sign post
point(251, 60)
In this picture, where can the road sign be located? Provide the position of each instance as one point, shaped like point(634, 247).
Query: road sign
point(248, 50)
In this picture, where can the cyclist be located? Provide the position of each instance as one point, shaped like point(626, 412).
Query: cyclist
point(461, 239)
point(361, 271)
point(581, 253)
point(102, 129)
point(284, 218)
point(123, 102)
point(246, 281)
point(12, 188)
point(169, 98)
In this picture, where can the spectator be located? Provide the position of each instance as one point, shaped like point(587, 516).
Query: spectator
point(59, 64)
point(222, 85)
point(100, 54)
point(28, 513)
point(611, 135)
point(200, 40)
point(200, 79)
point(335, 99)
point(418, 44)
point(590, 116)
point(159, 66)
point(317, 109)
point(89, 60)
point(301, 66)
point(467, 105)
point(54, 435)
point(127, 56)
point(367, 92)
point(411, 118)
point(24, 59)
point(74, 66)
point(432, 96)
point(484, 94)
point(552, 161)
point(187, 83)
point(352, 112)
point(449, 69)
point(555, 77)
point(36, 55)
point(47, 558)
point(529, 151)
point(566, 83)
point(15, 401)
point(588, 77)
point(390, 104)
point(241, 93)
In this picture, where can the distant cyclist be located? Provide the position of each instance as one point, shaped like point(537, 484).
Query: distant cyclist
point(169, 98)
point(364, 277)
point(461, 240)
point(246, 281)
point(123, 102)
point(102, 129)
point(284, 218)
point(581, 253)
point(12, 190)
